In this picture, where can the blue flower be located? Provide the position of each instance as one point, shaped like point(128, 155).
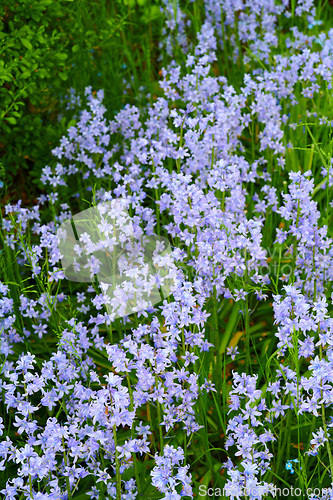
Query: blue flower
point(289, 466)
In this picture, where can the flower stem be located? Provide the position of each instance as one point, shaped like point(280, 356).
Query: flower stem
point(67, 478)
point(135, 462)
point(118, 476)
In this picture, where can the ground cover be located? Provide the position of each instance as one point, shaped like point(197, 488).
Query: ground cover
point(167, 261)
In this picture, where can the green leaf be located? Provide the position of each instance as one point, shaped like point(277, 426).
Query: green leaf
point(26, 43)
point(76, 48)
point(6, 78)
point(154, 13)
point(62, 57)
point(36, 16)
point(231, 326)
point(26, 74)
point(11, 120)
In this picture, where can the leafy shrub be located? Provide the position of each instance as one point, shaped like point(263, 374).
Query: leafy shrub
point(32, 60)
point(49, 46)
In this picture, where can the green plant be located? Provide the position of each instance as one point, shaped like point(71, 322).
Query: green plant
point(50, 46)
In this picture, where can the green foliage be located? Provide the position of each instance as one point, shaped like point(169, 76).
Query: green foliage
point(32, 57)
point(49, 46)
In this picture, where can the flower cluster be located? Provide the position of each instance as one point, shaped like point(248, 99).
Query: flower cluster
point(148, 270)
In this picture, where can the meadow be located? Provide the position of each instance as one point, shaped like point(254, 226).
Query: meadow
point(166, 249)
